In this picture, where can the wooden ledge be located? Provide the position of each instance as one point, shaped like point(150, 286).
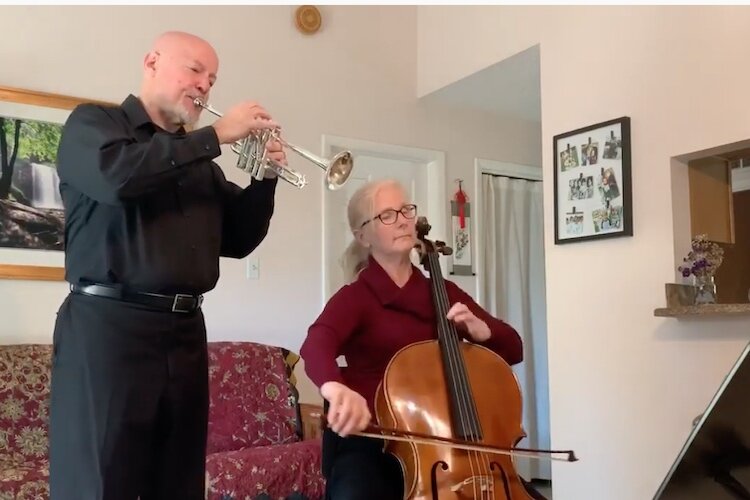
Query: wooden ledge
point(703, 310)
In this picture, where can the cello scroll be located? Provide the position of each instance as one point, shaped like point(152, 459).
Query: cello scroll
point(424, 246)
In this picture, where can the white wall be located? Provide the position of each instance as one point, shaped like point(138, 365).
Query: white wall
point(624, 384)
point(355, 78)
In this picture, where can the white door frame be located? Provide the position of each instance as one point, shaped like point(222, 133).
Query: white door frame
point(485, 166)
point(435, 210)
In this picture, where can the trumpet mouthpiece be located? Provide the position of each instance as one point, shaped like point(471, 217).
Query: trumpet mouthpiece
point(197, 101)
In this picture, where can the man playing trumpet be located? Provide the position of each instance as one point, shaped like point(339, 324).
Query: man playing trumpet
point(148, 214)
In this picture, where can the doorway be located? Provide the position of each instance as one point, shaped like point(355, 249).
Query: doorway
point(421, 171)
point(511, 285)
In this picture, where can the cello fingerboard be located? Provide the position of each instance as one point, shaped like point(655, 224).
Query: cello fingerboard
point(464, 416)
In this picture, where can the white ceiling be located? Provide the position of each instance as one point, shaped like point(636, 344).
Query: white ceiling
point(509, 88)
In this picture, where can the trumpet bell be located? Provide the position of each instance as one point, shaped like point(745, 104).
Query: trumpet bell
point(339, 170)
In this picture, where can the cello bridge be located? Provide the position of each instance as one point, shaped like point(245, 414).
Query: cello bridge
point(483, 482)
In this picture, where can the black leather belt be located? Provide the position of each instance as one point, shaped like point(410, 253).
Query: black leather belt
point(180, 303)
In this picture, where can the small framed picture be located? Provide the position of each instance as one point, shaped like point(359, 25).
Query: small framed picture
point(592, 179)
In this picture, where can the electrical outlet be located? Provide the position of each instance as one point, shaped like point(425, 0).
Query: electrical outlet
point(253, 268)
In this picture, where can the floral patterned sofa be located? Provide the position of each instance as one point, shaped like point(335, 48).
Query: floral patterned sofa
point(262, 445)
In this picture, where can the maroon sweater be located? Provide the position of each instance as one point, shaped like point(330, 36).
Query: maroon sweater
point(371, 319)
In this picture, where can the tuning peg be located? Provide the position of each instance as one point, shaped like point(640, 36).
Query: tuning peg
point(442, 248)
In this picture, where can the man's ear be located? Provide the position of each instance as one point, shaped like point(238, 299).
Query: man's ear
point(150, 61)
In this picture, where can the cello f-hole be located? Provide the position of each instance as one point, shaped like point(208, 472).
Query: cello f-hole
point(433, 474)
point(494, 465)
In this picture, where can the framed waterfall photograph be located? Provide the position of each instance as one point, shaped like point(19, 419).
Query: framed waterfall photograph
point(31, 211)
point(592, 182)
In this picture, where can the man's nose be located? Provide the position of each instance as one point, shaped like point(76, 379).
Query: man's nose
point(204, 85)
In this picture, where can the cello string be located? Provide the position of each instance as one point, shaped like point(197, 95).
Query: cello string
point(449, 342)
point(482, 457)
point(452, 351)
point(463, 391)
point(466, 395)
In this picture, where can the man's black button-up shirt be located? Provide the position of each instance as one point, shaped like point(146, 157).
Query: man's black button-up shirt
point(148, 209)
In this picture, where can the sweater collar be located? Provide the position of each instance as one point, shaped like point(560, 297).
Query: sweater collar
point(384, 288)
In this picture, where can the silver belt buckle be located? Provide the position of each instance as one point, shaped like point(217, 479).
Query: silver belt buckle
point(177, 298)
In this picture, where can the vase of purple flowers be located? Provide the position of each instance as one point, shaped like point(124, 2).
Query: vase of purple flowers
point(701, 263)
point(705, 289)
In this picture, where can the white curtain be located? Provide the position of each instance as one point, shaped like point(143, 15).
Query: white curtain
point(512, 252)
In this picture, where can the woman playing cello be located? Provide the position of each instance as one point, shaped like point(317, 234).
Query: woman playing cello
point(386, 306)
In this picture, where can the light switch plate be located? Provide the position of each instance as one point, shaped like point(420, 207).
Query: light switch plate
point(253, 268)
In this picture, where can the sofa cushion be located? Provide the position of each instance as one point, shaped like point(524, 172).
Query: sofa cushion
point(24, 402)
point(290, 472)
point(252, 402)
point(24, 480)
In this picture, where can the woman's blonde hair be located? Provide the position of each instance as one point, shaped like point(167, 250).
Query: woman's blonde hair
point(361, 208)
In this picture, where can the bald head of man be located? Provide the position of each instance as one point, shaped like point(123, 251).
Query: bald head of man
point(178, 68)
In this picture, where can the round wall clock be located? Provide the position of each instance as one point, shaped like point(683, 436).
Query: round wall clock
point(307, 19)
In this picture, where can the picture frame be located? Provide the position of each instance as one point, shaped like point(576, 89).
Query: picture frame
point(593, 182)
point(30, 122)
point(461, 259)
point(461, 219)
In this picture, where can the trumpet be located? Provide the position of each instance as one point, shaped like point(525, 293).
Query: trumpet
point(252, 158)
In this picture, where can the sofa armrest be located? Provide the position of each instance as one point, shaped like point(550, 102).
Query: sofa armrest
point(311, 420)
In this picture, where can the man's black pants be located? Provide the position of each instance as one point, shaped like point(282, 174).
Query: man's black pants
point(129, 402)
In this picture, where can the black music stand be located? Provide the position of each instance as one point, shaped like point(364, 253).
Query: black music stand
point(714, 463)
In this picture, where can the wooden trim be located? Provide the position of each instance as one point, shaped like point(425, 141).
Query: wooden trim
point(311, 421)
point(37, 98)
point(49, 100)
point(39, 273)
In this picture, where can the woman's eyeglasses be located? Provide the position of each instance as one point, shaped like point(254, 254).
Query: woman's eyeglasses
point(390, 216)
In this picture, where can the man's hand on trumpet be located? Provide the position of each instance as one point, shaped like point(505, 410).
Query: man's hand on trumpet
point(241, 120)
point(275, 153)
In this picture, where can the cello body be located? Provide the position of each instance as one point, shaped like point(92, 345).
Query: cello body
point(413, 396)
point(452, 389)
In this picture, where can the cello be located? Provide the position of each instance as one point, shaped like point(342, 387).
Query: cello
point(450, 411)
